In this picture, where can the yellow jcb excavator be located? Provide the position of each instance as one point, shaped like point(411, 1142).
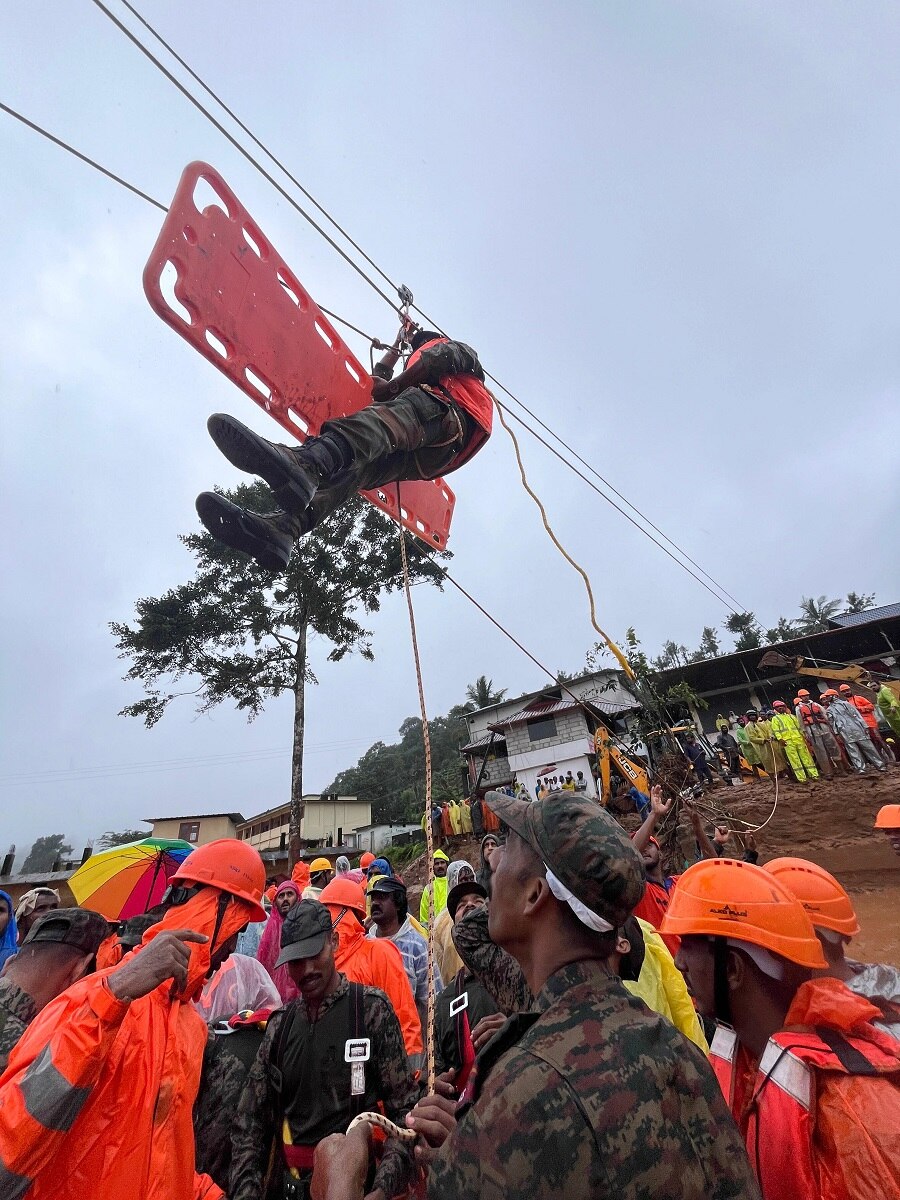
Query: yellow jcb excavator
point(610, 755)
point(833, 671)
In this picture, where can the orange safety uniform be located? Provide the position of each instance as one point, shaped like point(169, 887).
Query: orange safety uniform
point(96, 1100)
point(865, 708)
point(821, 1111)
point(374, 962)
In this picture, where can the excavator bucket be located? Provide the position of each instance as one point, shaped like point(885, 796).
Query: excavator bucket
point(772, 659)
point(221, 284)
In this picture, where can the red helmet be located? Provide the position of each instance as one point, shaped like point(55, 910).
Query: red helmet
point(779, 704)
point(232, 866)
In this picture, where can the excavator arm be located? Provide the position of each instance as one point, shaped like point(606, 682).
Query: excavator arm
point(858, 675)
point(608, 756)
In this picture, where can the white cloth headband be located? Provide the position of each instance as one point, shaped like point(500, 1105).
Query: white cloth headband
point(581, 911)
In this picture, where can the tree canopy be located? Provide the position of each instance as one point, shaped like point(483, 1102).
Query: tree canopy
point(109, 839)
point(44, 852)
point(235, 632)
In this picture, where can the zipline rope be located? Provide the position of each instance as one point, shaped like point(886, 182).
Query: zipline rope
point(725, 598)
point(429, 832)
point(614, 649)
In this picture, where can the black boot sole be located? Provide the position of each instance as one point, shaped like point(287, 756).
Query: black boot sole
point(242, 530)
point(292, 486)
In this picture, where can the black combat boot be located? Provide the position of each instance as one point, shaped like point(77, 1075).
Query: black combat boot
point(267, 537)
point(292, 472)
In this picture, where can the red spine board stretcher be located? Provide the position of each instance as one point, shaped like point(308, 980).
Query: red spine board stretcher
point(218, 281)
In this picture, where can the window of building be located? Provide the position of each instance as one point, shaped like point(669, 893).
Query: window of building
point(189, 831)
point(542, 728)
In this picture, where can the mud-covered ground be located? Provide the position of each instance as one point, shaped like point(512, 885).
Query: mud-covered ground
point(830, 823)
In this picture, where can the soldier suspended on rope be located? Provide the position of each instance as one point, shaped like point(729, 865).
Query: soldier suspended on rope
point(424, 424)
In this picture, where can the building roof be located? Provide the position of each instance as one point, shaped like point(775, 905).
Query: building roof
point(542, 708)
point(312, 798)
point(847, 620)
point(484, 740)
point(38, 878)
point(235, 818)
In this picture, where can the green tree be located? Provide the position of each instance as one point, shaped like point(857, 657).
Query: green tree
point(111, 838)
point(859, 603)
point(481, 694)
point(709, 645)
point(782, 631)
point(44, 852)
point(673, 655)
point(746, 629)
point(816, 613)
point(244, 632)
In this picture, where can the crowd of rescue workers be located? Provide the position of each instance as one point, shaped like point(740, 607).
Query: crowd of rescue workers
point(601, 1028)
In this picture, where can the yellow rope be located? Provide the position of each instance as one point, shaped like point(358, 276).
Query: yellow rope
point(614, 649)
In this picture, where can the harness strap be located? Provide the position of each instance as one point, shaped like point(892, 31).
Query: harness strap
point(847, 1055)
point(357, 1031)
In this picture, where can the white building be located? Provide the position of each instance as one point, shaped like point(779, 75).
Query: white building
point(380, 837)
point(546, 733)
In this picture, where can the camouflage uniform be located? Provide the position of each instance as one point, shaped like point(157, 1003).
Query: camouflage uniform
point(17, 1011)
point(254, 1127)
point(415, 435)
point(595, 1097)
point(226, 1063)
point(592, 1095)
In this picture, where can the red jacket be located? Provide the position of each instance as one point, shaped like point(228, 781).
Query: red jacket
point(96, 1101)
point(821, 1111)
point(866, 710)
point(472, 396)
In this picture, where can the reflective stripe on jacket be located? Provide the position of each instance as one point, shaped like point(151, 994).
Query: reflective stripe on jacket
point(822, 1118)
point(785, 727)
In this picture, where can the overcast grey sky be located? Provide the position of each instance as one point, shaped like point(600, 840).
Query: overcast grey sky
point(670, 227)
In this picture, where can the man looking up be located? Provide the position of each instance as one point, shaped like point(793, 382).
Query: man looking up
point(814, 1086)
point(436, 898)
point(302, 1088)
point(60, 948)
point(390, 919)
point(592, 1095)
point(32, 906)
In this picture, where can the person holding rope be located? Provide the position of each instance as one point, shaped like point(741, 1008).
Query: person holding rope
point(591, 1095)
point(424, 424)
point(333, 1053)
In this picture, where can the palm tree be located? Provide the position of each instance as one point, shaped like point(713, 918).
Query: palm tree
point(481, 694)
point(816, 614)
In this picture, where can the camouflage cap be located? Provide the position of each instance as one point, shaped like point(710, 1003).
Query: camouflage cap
point(80, 928)
point(588, 851)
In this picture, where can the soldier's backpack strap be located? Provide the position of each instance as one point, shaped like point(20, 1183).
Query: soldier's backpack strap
point(357, 1037)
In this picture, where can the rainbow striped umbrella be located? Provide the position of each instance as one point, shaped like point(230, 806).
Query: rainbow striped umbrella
point(126, 880)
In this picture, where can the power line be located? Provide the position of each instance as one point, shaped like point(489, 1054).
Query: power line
point(246, 153)
point(84, 158)
point(731, 600)
point(341, 320)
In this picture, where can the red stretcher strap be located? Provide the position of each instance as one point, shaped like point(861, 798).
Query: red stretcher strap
point(220, 283)
point(300, 1158)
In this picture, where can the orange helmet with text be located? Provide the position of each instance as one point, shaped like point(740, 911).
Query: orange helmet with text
point(742, 902)
point(826, 902)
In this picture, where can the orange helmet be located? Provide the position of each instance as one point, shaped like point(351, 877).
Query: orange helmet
point(845, 687)
point(740, 901)
point(366, 860)
point(232, 866)
point(888, 817)
point(803, 694)
point(829, 692)
point(344, 893)
point(826, 902)
point(779, 704)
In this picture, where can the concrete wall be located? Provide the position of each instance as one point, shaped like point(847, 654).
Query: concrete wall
point(211, 828)
point(380, 838)
point(322, 818)
point(570, 726)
